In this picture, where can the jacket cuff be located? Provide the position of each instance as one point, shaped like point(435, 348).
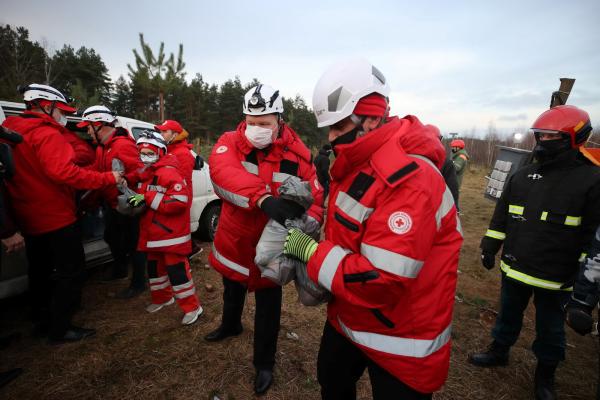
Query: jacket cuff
point(490, 245)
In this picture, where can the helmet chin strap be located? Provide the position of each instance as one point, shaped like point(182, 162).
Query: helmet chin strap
point(44, 111)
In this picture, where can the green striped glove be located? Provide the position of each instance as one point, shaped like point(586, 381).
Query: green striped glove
point(299, 245)
point(136, 200)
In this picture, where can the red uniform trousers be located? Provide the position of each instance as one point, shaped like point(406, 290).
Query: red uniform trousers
point(169, 275)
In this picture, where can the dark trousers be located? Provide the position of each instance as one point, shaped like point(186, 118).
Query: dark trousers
point(550, 342)
point(56, 272)
point(341, 364)
point(122, 233)
point(266, 319)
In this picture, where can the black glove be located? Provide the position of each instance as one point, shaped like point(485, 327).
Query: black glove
point(281, 209)
point(579, 317)
point(488, 260)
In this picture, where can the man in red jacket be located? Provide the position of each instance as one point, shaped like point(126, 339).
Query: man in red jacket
point(121, 231)
point(247, 166)
point(165, 228)
point(391, 247)
point(42, 193)
point(177, 144)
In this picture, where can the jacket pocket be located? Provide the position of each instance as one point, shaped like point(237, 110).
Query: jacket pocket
point(382, 318)
point(346, 223)
point(163, 227)
point(361, 277)
point(558, 212)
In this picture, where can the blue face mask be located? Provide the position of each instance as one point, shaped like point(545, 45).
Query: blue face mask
point(149, 159)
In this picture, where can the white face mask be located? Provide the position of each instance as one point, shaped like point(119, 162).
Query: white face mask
point(259, 137)
point(148, 159)
point(62, 120)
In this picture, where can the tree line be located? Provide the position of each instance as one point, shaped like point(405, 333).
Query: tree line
point(154, 89)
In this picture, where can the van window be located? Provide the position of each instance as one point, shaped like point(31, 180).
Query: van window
point(137, 130)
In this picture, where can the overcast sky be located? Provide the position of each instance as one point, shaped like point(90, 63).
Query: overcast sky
point(456, 64)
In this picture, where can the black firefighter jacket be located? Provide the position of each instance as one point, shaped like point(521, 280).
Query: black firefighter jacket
point(545, 220)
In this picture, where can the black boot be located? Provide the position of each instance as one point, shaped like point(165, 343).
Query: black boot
point(72, 334)
point(7, 376)
point(495, 355)
point(223, 332)
point(544, 380)
point(129, 293)
point(263, 380)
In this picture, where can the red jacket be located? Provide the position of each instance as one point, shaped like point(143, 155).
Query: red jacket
point(165, 226)
point(120, 146)
point(84, 152)
point(241, 175)
point(42, 190)
point(390, 253)
point(182, 150)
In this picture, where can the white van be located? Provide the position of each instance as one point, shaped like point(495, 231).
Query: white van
point(204, 217)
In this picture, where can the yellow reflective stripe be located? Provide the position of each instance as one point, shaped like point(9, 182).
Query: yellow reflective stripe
point(582, 257)
point(495, 234)
point(569, 220)
point(531, 280)
point(514, 209)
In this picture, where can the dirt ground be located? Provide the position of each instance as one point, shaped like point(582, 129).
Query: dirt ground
point(137, 355)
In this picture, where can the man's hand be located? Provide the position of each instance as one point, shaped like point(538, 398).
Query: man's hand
point(118, 177)
point(136, 200)
point(13, 243)
point(281, 209)
point(488, 260)
point(579, 316)
point(299, 245)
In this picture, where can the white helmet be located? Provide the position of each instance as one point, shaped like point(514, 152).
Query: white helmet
point(97, 114)
point(148, 137)
point(342, 86)
point(262, 100)
point(36, 91)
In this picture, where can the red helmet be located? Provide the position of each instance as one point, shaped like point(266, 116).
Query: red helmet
point(568, 120)
point(457, 143)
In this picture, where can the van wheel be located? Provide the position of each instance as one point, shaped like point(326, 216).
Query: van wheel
point(209, 220)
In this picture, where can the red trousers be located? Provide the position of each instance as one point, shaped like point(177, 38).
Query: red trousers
point(169, 275)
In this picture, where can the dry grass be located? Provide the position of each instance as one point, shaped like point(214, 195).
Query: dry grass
point(141, 356)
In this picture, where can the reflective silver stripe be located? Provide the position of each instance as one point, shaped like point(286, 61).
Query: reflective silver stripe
point(252, 168)
point(330, 265)
point(185, 294)
point(399, 346)
point(160, 286)
point(445, 207)
point(156, 201)
point(280, 176)
point(572, 221)
point(230, 264)
point(459, 225)
point(181, 197)
point(391, 262)
point(352, 207)
point(231, 197)
point(160, 279)
point(168, 242)
point(183, 286)
point(155, 188)
point(447, 198)
point(427, 160)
